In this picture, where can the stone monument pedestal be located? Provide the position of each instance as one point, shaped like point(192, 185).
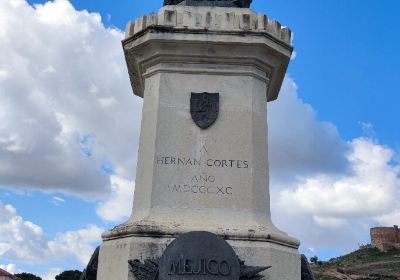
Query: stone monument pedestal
point(203, 179)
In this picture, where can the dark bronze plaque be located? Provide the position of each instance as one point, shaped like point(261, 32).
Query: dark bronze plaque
point(204, 108)
point(199, 255)
point(196, 255)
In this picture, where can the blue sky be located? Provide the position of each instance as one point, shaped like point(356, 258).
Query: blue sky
point(57, 185)
point(347, 55)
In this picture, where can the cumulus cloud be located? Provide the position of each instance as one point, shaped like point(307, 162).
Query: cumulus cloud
point(68, 122)
point(324, 190)
point(79, 242)
point(52, 273)
point(118, 205)
point(299, 144)
point(10, 268)
point(26, 242)
point(372, 189)
point(14, 234)
point(66, 107)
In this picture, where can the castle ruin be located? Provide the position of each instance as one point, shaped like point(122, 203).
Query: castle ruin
point(385, 238)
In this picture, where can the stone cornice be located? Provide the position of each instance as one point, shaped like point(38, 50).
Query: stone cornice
point(211, 19)
point(217, 35)
point(259, 234)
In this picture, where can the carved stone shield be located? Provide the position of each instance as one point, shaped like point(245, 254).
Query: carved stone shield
point(204, 108)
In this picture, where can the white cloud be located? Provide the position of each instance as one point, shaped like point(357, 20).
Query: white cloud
point(368, 130)
point(118, 205)
point(300, 144)
point(337, 211)
point(326, 191)
point(107, 102)
point(10, 268)
point(372, 189)
point(23, 240)
point(66, 111)
point(57, 201)
point(389, 219)
point(3, 74)
point(78, 243)
point(61, 80)
point(26, 242)
point(52, 273)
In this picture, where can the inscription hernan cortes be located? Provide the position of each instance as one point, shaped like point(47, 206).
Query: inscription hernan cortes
point(199, 256)
point(204, 108)
point(208, 162)
point(198, 181)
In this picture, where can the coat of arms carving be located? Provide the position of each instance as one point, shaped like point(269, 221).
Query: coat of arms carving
point(204, 108)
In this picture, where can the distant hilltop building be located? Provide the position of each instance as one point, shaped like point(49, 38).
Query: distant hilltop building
point(385, 238)
point(4, 275)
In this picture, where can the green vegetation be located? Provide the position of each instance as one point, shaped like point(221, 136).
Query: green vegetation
point(314, 260)
point(363, 256)
point(363, 264)
point(28, 276)
point(69, 275)
point(325, 277)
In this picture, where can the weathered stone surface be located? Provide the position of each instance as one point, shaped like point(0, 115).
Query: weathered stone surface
point(385, 238)
point(196, 255)
point(210, 19)
point(187, 175)
point(211, 28)
point(196, 179)
point(114, 256)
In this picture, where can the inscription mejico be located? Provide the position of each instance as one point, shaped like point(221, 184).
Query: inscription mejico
point(202, 266)
point(199, 256)
point(209, 162)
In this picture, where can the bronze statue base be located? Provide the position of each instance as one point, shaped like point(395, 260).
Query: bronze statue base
point(212, 3)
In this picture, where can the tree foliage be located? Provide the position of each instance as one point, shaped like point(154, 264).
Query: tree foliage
point(314, 259)
point(28, 276)
point(69, 275)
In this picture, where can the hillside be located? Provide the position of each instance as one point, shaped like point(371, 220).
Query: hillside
point(367, 263)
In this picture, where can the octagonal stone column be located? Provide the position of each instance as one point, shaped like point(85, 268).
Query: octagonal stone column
point(213, 179)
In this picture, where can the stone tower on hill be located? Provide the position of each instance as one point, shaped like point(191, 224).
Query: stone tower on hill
point(385, 238)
